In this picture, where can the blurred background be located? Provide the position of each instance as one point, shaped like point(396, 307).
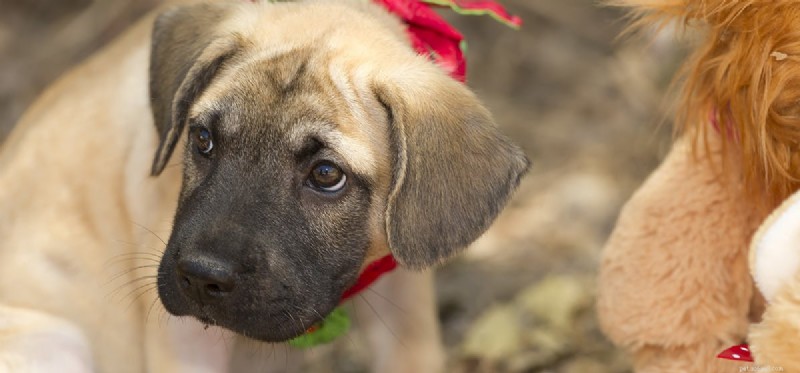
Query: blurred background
point(587, 108)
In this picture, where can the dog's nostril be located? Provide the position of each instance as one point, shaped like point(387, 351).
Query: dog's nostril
point(214, 290)
point(185, 282)
point(204, 280)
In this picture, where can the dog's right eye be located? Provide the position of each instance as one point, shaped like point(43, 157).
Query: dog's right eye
point(202, 140)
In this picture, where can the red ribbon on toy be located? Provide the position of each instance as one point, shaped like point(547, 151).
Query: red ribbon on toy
point(737, 353)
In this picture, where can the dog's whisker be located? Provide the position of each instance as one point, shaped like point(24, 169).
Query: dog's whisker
point(389, 301)
point(164, 317)
point(162, 314)
point(119, 288)
point(150, 231)
point(286, 357)
point(142, 290)
point(150, 309)
point(139, 250)
point(152, 249)
point(136, 254)
point(382, 321)
point(136, 291)
point(272, 353)
point(128, 271)
point(315, 311)
point(298, 325)
point(132, 259)
point(110, 295)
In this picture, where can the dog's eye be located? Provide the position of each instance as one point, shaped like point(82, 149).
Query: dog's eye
point(325, 176)
point(202, 140)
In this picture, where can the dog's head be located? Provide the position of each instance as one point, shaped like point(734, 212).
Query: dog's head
point(317, 142)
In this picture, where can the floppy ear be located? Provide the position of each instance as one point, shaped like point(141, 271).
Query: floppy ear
point(452, 169)
point(185, 56)
point(775, 250)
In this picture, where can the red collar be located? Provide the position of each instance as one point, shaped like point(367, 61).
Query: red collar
point(370, 274)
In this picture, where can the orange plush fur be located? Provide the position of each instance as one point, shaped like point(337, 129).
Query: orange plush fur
point(746, 71)
point(674, 285)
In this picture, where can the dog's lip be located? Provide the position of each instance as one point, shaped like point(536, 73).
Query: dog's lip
point(287, 326)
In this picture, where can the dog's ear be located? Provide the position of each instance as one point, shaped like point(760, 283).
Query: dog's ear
point(453, 171)
point(186, 54)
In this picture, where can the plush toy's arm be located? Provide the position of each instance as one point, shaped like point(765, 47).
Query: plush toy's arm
point(34, 342)
point(674, 285)
point(775, 262)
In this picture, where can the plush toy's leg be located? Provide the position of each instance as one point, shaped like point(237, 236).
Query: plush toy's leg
point(776, 340)
point(674, 285)
point(398, 314)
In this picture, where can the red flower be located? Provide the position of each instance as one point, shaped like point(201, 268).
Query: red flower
point(432, 36)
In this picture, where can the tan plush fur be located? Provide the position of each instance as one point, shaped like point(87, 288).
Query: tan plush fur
point(775, 341)
point(674, 283)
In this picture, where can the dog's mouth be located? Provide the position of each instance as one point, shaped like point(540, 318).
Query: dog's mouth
point(251, 309)
point(280, 327)
point(269, 323)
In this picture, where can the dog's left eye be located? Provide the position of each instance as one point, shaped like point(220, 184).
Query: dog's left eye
point(202, 140)
point(327, 177)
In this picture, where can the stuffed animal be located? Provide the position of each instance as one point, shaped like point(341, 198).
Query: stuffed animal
point(775, 263)
point(674, 284)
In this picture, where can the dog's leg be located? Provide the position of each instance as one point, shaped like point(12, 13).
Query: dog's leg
point(674, 285)
point(399, 317)
point(35, 342)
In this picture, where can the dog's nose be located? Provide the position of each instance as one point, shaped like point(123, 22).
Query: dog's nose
point(205, 280)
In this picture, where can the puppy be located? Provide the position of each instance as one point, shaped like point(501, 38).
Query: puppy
point(308, 139)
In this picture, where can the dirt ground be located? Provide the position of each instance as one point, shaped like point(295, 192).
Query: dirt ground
point(586, 109)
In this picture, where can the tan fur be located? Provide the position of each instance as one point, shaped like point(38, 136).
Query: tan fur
point(343, 90)
point(69, 214)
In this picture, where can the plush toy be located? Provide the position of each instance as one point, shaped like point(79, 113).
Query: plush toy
point(775, 263)
point(674, 285)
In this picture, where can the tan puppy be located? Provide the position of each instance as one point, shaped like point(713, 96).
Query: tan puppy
point(317, 142)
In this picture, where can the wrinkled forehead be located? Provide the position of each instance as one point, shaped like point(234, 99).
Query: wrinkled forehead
point(296, 96)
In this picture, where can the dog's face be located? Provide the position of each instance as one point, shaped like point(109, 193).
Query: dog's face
point(317, 142)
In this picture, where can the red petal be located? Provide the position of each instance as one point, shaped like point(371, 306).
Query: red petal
point(738, 353)
point(480, 7)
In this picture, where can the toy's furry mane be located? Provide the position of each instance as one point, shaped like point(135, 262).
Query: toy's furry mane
point(746, 73)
